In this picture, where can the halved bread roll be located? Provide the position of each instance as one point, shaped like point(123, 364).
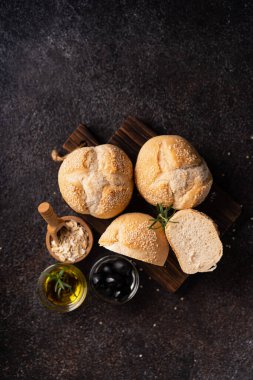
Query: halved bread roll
point(97, 180)
point(194, 238)
point(169, 171)
point(129, 235)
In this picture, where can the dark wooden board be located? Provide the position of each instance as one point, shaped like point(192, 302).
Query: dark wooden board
point(130, 137)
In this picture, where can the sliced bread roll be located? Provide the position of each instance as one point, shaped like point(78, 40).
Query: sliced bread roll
point(129, 235)
point(194, 238)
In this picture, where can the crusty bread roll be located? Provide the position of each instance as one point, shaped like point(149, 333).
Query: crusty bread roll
point(170, 171)
point(129, 235)
point(194, 238)
point(97, 180)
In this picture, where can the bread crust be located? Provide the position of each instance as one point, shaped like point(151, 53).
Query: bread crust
point(129, 235)
point(203, 264)
point(97, 180)
point(170, 171)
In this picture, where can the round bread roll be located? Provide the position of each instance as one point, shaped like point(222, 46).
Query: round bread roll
point(169, 171)
point(194, 238)
point(129, 235)
point(97, 180)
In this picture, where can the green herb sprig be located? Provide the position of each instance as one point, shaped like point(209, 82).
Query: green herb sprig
point(60, 284)
point(164, 214)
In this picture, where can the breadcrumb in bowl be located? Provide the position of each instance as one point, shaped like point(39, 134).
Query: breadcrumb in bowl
point(72, 256)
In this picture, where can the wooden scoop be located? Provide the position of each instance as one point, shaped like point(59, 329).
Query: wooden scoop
point(54, 223)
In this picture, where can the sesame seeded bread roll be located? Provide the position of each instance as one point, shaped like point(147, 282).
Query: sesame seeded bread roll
point(169, 171)
point(129, 235)
point(97, 180)
point(194, 238)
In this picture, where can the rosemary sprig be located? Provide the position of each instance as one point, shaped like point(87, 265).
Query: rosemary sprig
point(164, 215)
point(60, 284)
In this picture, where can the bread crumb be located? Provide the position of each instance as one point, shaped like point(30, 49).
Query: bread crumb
point(73, 242)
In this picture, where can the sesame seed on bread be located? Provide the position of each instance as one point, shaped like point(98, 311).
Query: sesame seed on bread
point(170, 171)
point(129, 235)
point(97, 180)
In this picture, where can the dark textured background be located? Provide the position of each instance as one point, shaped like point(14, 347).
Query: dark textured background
point(183, 67)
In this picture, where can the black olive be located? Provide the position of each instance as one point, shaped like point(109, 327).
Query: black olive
point(117, 294)
point(128, 280)
point(96, 279)
point(125, 291)
point(108, 292)
point(110, 280)
point(107, 269)
point(114, 279)
point(122, 267)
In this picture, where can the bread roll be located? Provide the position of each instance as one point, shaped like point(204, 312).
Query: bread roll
point(129, 235)
point(97, 180)
point(170, 171)
point(194, 238)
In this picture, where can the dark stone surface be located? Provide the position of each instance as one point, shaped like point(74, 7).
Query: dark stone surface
point(183, 67)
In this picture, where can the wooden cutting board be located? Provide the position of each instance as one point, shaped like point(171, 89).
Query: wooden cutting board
point(130, 137)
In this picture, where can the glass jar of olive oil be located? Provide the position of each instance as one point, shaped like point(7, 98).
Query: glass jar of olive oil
point(62, 288)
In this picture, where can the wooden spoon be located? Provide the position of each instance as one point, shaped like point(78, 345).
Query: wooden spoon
point(54, 223)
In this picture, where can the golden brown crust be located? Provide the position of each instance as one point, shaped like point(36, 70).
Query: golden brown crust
point(129, 235)
point(170, 171)
point(97, 180)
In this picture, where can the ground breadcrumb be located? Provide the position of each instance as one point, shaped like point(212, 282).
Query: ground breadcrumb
point(73, 242)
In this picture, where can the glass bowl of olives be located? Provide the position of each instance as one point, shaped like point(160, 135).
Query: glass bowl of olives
point(115, 279)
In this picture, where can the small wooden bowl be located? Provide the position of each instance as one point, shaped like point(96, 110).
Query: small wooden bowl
point(90, 239)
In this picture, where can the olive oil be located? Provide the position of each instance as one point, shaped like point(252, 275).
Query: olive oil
point(62, 287)
point(69, 294)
